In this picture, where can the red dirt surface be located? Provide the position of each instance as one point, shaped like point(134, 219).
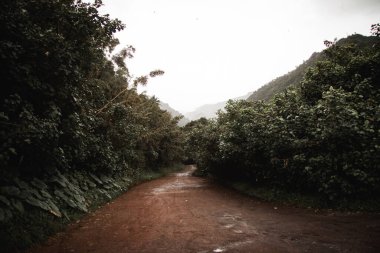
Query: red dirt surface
point(182, 213)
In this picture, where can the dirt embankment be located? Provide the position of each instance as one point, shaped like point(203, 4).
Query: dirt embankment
point(181, 213)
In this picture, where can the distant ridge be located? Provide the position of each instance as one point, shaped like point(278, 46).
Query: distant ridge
point(295, 76)
point(209, 111)
point(174, 113)
point(279, 84)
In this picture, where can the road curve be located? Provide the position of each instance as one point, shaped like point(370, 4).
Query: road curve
point(181, 213)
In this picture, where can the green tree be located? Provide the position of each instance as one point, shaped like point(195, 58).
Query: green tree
point(64, 104)
point(321, 137)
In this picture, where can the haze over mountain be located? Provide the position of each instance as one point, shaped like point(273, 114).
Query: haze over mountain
point(295, 76)
point(211, 52)
point(210, 110)
point(279, 84)
point(166, 107)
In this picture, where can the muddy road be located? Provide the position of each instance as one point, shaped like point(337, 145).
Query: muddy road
point(181, 213)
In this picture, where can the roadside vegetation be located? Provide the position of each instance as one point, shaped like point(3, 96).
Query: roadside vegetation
point(74, 132)
point(320, 138)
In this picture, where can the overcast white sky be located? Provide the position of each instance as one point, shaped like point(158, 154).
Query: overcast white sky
point(213, 50)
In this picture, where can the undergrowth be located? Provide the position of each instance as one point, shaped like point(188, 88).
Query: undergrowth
point(304, 200)
point(35, 225)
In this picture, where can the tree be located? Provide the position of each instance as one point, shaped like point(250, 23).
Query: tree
point(375, 29)
point(320, 138)
point(63, 103)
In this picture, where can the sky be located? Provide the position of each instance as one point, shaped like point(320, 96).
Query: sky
point(214, 50)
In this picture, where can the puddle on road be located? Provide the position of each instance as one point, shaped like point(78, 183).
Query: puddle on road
point(176, 187)
point(180, 185)
point(183, 174)
point(237, 224)
point(238, 244)
point(230, 246)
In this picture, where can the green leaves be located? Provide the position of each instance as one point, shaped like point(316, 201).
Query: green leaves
point(74, 132)
point(321, 137)
point(58, 192)
point(56, 76)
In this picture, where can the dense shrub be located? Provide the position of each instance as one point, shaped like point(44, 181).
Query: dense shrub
point(321, 137)
point(68, 108)
point(64, 105)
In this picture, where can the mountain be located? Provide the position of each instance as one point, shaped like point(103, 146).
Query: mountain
point(209, 111)
point(206, 111)
point(174, 113)
point(295, 77)
point(279, 84)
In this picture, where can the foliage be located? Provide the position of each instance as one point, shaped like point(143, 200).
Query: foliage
point(200, 140)
point(64, 105)
point(71, 119)
point(321, 137)
point(375, 29)
point(32, 211)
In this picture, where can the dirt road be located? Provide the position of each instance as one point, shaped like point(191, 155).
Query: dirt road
point(181, 213)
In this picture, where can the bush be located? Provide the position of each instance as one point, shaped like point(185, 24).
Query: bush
point(321, 137)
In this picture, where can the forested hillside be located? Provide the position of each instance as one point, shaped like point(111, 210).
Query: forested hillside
point(182, 119)
point(294, 77)
point(279, 84)
point(321, 137)
point(73, 130)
